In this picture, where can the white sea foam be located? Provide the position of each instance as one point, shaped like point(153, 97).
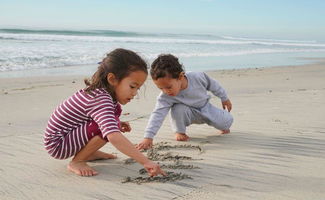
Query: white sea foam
point(228, 40)
point(241, 53)
point(269, 40)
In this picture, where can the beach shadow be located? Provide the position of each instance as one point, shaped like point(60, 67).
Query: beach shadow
point(290, 145)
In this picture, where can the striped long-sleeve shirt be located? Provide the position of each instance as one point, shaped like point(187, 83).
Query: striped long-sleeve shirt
point(75, 112)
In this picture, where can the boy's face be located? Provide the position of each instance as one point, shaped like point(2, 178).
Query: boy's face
point(170, 86)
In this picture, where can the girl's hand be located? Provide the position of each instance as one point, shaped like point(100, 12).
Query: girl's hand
point(153, 169)
point(125, 127)
point(227, 104)
point(145, 144)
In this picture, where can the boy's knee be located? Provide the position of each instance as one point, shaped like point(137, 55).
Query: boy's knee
point(179, 110)
point(180, 117)
point(223, 123)
point(229, 122)
point(179, 107)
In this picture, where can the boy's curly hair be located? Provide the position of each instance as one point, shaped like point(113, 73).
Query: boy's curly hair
point(166, 65)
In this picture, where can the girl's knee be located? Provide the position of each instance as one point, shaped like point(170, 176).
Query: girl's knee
point(93, 130)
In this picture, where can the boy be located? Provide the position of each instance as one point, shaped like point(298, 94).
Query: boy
point(186, 95)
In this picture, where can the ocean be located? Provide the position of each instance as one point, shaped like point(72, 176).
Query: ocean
point(69, 52)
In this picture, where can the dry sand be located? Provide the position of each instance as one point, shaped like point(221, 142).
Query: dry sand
point(276, 149)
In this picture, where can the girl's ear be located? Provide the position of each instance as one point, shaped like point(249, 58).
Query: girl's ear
point(111, 79)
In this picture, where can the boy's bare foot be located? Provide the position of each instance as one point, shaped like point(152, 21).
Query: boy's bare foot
point(225, 131)
point(181, 137)
point(99, 155)
point(81, 168)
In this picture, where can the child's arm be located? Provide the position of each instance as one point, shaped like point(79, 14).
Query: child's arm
point(155, 121)
point(213, 86)
point(126, 147)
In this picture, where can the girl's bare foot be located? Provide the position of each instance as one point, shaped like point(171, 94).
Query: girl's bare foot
point(81, 168)
point(181, 137)
point(225, 131)
point(99, 155)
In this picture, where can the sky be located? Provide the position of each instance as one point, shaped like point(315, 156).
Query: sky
point(292, 19)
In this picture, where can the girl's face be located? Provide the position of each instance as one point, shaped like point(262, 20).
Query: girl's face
point(128, 87)
point(171, 86)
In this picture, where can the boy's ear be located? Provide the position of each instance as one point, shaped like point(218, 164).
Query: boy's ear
point(111, 79)
point(181, 75)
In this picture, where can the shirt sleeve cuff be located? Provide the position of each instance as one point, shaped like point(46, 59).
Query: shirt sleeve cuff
point(149, 135)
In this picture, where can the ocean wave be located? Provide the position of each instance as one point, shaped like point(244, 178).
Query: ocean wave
point(41, 37)
point(33, 62)
point(74, 32)
point(237, 53)
point(268, 40)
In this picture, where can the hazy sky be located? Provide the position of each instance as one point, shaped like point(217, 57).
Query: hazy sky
point(263, 18)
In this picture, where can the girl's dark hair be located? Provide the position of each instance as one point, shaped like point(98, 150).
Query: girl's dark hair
point(166, 65)
point(120, 62)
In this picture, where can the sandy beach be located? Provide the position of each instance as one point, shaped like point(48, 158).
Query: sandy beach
point(276, 148)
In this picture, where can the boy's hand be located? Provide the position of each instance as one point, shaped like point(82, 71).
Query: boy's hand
point(227, 104)
point(145, 144)
point(125, 127)
point(153, 169)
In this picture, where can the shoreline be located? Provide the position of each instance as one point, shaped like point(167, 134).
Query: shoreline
point(88, 70)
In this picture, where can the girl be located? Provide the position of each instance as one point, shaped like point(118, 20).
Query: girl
point(87, 120)
point(185, 94)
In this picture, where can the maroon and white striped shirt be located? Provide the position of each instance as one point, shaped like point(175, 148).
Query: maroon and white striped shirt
point(79, 109)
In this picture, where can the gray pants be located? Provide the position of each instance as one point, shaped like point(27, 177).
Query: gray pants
point(183, 116)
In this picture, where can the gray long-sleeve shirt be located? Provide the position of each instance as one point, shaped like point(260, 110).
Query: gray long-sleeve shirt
point(195, 95)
